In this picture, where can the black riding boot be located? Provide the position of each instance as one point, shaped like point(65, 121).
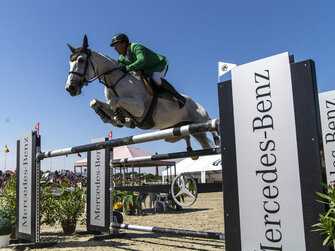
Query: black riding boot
point(170, 89)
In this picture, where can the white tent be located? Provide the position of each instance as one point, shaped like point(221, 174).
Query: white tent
point(123, 152)
point(206, 169)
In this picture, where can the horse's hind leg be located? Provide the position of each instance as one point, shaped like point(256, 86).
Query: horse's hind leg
point(186, 138)
point(204, 141)
point(188, 143)
point(189, 148)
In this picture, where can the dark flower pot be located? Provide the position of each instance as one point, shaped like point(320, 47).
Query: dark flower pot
point(13, 234)
point(68, 228)
point(131, 210)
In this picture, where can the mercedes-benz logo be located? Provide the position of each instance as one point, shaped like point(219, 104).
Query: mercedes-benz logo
point(217, 162)
point(224, 67)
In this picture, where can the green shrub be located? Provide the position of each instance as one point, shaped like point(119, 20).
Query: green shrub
point(70, 206)
point(8, 201)
point(48, 209)
point(6, 212)
point(326, 223)
point(5, 226)
point(131, 202)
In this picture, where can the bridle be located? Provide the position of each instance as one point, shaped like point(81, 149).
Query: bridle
point(84, 81)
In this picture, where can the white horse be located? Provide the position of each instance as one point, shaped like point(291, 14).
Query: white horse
point(129, 103)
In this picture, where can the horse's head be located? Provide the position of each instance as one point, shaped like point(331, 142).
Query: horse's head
point(81, 68)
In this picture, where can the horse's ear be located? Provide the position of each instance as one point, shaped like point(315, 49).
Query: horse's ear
point(71, 48)
point(85, 42)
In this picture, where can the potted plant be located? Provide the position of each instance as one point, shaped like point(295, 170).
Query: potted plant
point(5, 231)
point(70, 207)
point(131, 203)
point(118, 217)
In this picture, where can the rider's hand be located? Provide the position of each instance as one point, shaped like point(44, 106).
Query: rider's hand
point(122, 67)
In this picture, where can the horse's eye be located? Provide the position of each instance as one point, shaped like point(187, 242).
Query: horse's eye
point(80, 60)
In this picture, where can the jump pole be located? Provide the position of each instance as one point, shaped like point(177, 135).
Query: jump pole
point(165, 156)
point(209, 126)
point(30, 144)
point(172, 231)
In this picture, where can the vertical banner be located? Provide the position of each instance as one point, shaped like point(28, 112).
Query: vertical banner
point(268, 168)
point(327, 115)
point(269, 119)
point(27, 199)
point(98, 195)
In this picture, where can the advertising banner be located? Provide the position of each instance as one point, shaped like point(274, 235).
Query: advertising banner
point(271, 214)
point(27, 193)
point(98, 189)
point(327, 115)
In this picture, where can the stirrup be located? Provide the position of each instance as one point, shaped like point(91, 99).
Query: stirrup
point(181, 100)
point(181, 104)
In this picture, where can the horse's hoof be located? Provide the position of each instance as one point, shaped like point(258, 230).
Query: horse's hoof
point(130, 124)
point(93, 103)
point(217, 140)
point(189, 149)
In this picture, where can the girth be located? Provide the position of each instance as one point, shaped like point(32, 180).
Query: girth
point(148, 122)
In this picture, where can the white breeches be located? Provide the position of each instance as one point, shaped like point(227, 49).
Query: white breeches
point(157, 76)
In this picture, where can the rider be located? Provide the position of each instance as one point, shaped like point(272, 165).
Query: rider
point(136, 57)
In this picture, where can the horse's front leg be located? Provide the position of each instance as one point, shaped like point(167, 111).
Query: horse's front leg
point(105, 112)
point(132, 105)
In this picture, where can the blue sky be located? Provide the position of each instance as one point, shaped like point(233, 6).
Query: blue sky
point(193, 35)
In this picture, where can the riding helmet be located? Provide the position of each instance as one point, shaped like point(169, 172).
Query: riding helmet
point(120, 37)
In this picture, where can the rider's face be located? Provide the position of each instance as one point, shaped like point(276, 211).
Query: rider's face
point(121, 48)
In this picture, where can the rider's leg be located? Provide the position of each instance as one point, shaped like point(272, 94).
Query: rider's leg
point(160, 81)
point(170, 89)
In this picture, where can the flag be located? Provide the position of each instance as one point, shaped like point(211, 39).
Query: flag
point(6, 149)
point(223, 68)
point(79, 154)
point(37, 127)
point(110, 134)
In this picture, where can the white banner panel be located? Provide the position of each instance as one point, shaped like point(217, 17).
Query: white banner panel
point(327, 115)
point(98, 178)
point(270, 203)
point(26, 173)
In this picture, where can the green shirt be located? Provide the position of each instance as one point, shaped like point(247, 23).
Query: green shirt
point(140, 58)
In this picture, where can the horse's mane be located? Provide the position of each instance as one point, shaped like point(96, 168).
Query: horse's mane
point(115, 62)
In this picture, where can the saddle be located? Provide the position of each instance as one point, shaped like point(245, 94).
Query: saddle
point(155, 90)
